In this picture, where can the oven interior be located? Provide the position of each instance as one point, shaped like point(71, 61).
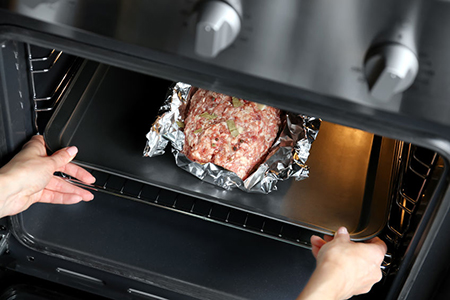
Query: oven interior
point(177, 237)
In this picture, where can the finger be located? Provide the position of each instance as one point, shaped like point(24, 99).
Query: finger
point(342, 235)
point(54, 197)
point(328, 238)
point(316, 243)
point(377, 241)
point(380, 246)
point(78, 173)
point(62, 157)
point(60, 185)
point(315, 251)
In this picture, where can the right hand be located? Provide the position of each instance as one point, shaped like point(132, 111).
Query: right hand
point(344, 268)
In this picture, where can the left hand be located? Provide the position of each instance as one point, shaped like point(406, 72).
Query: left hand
point(28, 178)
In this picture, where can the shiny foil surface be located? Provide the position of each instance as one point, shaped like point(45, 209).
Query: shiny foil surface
point(286, 158)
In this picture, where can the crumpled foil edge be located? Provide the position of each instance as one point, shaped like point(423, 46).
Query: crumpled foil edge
point(286, 158)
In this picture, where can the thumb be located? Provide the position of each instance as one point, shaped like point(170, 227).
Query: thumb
point(342, 235)
point(316, 245)
point(62, 157)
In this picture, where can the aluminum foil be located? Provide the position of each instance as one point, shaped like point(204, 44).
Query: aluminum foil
point(286, 159)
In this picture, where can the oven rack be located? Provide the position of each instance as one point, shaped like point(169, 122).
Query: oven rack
point(213, 212)
point(417, 165)
point(410, 196)
point(48, 66)
point(51, 58)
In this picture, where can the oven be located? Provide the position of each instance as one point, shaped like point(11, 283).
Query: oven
point(94, 74)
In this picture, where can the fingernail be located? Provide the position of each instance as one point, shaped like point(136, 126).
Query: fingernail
point(72, 150)
point(342, 230)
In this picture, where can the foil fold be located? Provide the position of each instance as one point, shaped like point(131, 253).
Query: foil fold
point(286, 158)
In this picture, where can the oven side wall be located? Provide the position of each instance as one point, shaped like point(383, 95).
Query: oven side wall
point(16, 110)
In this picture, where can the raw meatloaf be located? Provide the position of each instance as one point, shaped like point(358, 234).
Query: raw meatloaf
point(232, 133)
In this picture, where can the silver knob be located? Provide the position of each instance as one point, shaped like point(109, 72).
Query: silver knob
point(217, 27)
point(389, 70)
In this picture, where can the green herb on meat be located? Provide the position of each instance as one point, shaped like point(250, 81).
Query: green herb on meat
point(232, 128)
point(236, 102)
point(260, 106)
point(198, 130)
point(208, 116)
point(213, 145)
point(180, 124)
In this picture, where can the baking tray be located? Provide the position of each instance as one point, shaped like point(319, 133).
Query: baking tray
point(107, 111)
point(169, 252)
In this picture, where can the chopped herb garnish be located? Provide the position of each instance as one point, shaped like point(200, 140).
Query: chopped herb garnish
point(180, 124)
point(213, 144)
point(198, 130)
point(234, 148)
point(236, 102)
point(260, 106)
point(232, 128)
point(208, 116)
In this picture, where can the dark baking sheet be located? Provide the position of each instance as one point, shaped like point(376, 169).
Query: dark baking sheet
point(107, 112)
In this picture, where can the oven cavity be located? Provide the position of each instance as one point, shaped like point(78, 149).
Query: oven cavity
point(374, 185)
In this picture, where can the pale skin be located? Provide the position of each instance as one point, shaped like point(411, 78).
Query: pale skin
point(343, 268)
point(28, 178)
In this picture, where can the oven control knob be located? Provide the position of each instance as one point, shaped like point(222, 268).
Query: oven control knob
point(390, 69)
point(218, 26)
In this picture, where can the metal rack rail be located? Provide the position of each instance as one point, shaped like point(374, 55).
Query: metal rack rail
point(45, 66)
point(199, 208)
point(409, 197)
point(416, 168)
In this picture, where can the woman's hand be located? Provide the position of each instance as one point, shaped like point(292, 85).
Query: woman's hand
point(344, 268)
point(28, 178)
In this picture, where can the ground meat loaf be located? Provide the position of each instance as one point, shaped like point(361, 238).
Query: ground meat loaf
point(232, 133)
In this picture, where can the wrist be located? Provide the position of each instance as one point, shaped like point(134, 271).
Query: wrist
point(10, 179)
point(8, 190)
point(326, 283)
